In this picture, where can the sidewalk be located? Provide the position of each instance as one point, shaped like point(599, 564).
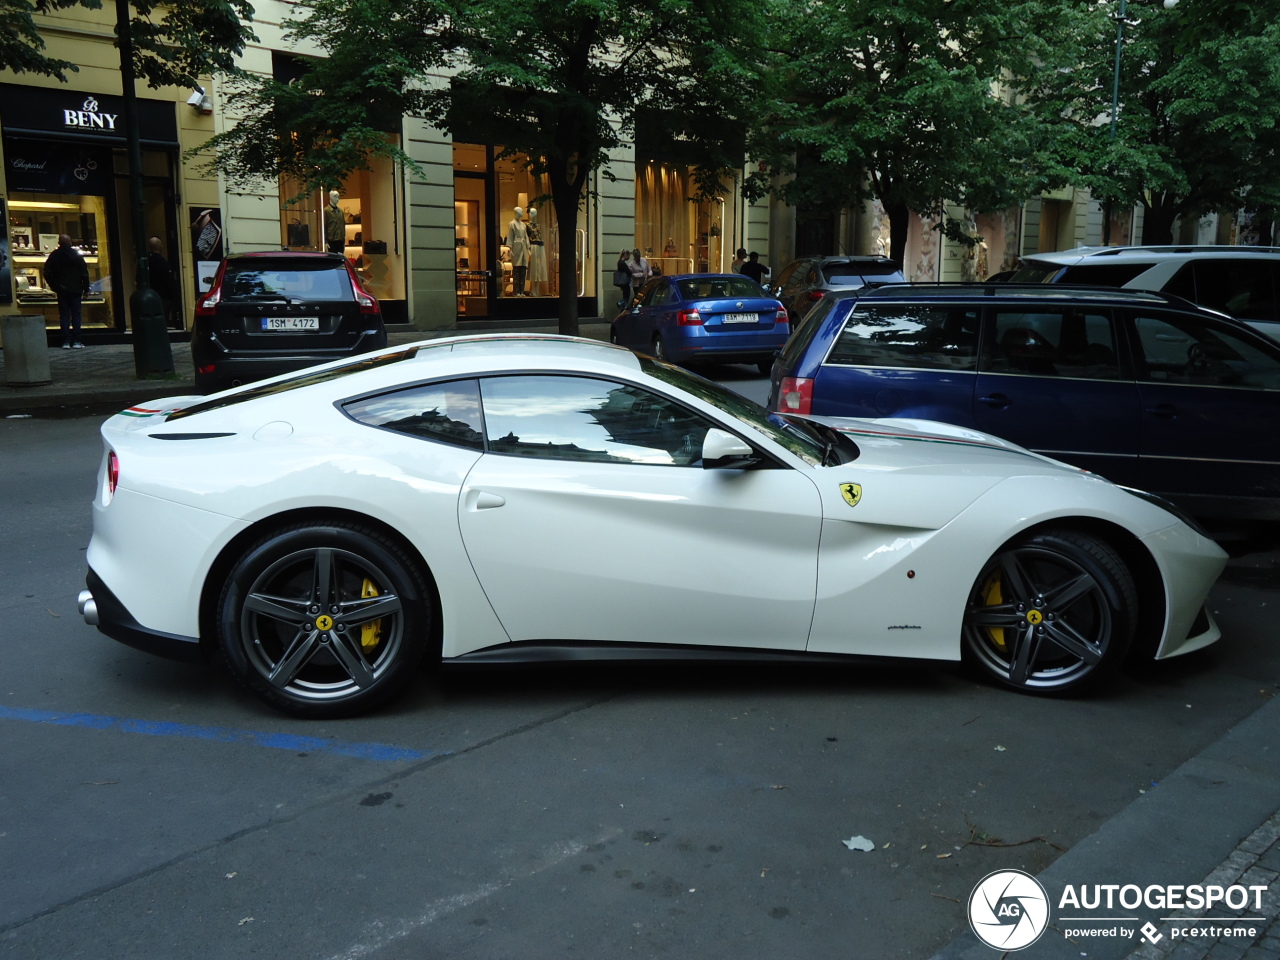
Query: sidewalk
point(1212, 821)
point(101, 378)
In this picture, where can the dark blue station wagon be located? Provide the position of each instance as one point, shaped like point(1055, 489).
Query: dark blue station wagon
point(1145, 389)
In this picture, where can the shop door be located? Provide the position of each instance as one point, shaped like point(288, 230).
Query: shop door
point(471, 244)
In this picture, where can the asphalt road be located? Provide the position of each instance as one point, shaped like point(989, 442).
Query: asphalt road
point(150, 809)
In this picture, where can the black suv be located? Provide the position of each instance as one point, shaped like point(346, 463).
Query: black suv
point(803, 282)
point(275, 312)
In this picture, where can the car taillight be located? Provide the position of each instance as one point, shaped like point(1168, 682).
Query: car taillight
point(689, 318)
point(795, 395)
point(113, 472)
point(366, 301)
point(814, 295)
point(206, 368)
point(207, 305)
point(781, 316)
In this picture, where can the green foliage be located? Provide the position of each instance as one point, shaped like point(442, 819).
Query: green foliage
point(1198, 129)
point(899, 101)
point(173, 44)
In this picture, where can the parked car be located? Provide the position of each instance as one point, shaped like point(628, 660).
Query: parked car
point(512, 498)
point(803, 282)
point(1240, 281)
point(707, 317)
point(1145, 389)
point(274, 312)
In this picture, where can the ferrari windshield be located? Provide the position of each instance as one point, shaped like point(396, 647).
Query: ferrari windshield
point(813, 442)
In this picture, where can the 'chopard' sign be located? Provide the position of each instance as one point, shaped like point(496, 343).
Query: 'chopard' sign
point(89, 117)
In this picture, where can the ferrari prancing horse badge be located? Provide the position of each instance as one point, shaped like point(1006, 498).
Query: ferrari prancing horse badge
point(852, 493)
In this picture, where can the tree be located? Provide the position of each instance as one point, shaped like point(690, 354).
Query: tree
point(560, 83)
point(1198, 129)
point(898, 101)
point(173, 44)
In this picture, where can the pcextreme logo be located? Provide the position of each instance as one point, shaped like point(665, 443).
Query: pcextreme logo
point(1008, 910)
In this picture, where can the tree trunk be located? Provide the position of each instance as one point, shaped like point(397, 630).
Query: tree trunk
point(565, 196)
point(1157, 223)
point(899, 223)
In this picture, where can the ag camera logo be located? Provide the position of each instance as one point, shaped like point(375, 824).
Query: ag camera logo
point(1008, 910)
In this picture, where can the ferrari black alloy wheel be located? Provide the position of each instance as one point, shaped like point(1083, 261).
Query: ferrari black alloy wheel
point(324, 620)
point(1052, 612)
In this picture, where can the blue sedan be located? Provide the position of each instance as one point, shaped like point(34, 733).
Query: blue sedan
point(707, 317)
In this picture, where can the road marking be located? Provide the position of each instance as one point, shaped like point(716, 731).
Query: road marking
point(379, 933)
point(380, 752)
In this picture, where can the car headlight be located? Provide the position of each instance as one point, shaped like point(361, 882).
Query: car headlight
point(1168, 507)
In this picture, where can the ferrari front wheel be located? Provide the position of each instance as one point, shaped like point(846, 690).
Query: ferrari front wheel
point(1051, 612)
point(324, 620)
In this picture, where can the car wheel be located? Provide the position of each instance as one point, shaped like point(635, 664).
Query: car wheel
point(1050, 613)
point(324, 620)
point(660, 351)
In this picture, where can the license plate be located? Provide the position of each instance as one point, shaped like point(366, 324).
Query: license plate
point(290, 323)
point(741, 318)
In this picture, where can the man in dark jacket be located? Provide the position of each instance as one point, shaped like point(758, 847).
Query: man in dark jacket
point(753, 268)
point(162, 281)
point(66, 275)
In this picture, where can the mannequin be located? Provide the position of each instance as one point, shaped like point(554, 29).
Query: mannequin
point(518, 242)
point(537, 255)
point(335, 225)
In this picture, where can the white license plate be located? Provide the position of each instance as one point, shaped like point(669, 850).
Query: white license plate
point(290, 323)
point(741, 318)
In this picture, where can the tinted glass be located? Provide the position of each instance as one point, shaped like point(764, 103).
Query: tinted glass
point(576, 418)
point(909, 335)
point(1032, 272)
point(803, 335)
point(716, 288)
point(447, 412)
point(1052, 343)
point(1179, 348)
point(772, 425)
point(1242, 288)
point(851, 273)
point(1101, 274)
point(288, 280)
point(647, 292)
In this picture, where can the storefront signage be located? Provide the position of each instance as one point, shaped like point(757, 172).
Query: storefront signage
point(89, 117)
point(70, 114)
point(34, 166)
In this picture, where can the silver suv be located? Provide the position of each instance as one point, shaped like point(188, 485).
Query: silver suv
point(1240, 281)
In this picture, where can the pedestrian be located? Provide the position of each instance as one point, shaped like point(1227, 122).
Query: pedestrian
point(753, 268)
point(66, 274)
point(622, 278)
point(739, 259)
point(162, 281)
point(640, 270)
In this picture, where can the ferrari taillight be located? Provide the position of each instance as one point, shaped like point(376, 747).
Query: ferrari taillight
point(795, 395)
point(113, 472)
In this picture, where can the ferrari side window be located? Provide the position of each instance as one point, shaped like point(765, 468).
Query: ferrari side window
point(580, 418)
point(446, 412)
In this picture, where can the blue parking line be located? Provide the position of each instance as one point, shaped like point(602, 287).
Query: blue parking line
point(380, 752)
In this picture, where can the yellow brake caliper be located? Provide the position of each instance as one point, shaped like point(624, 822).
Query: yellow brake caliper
point(992, 597)
point(370, 633)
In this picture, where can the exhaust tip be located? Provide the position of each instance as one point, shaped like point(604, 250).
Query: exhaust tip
point(88, 607)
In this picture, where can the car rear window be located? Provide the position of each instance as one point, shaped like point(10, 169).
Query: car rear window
point(1103, 274)
point(1032, 272)
point(854, 273)
point(288, 280)
point(716, 288)
point(919, 336)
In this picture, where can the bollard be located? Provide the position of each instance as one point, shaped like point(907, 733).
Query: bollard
point(26, 351)
point(152, 355)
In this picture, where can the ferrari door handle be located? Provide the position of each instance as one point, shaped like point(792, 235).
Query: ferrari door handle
point(995, 400)
point(483, 500)
point(1165, 411)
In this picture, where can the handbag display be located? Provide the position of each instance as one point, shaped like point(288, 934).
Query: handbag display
point(299, 234)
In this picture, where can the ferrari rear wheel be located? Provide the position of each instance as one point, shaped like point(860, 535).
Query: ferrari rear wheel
point(324, 620)
point(1051, 613)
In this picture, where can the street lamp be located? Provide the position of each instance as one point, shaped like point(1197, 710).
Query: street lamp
point(1115, 100)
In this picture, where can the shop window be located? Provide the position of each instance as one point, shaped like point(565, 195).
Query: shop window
point(534, 242)
point(676, 232)
point(35, 222)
